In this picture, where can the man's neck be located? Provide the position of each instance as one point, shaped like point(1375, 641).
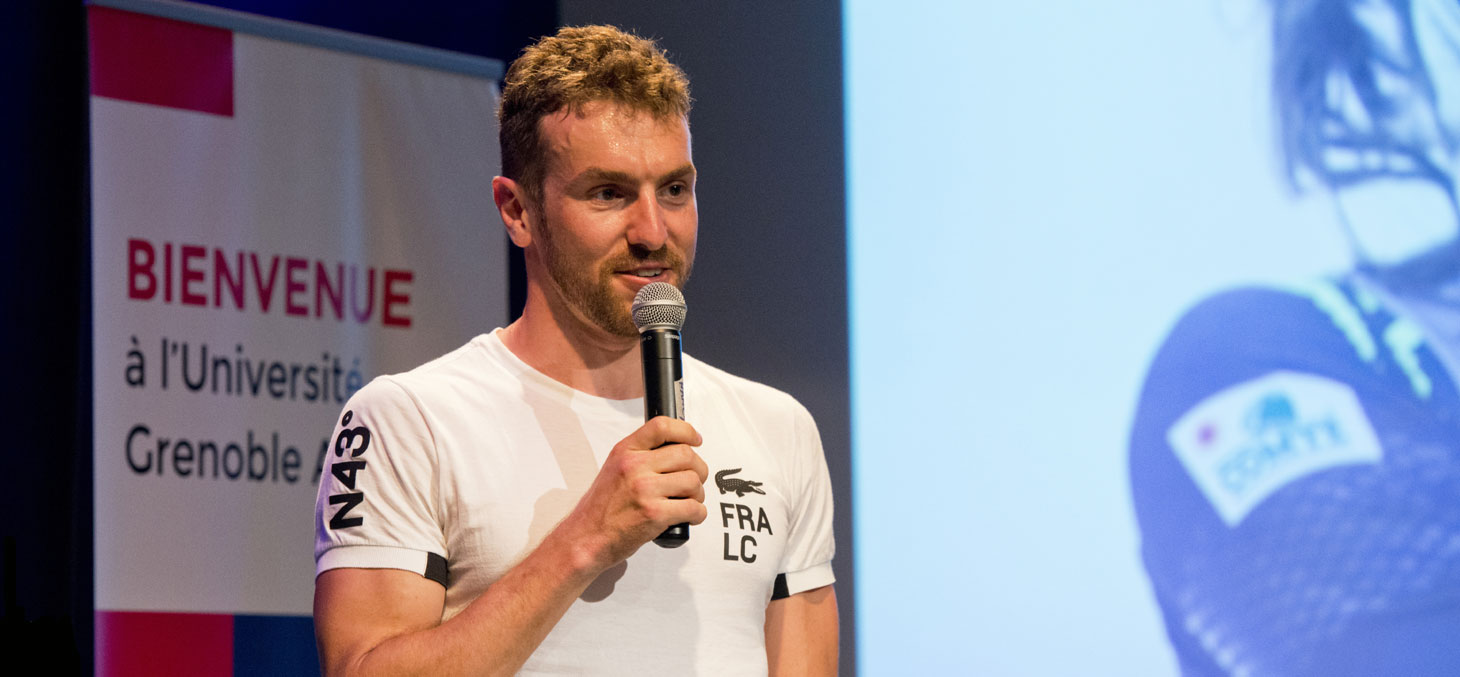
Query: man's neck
point(580, 356)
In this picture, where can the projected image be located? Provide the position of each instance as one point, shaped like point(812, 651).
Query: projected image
point(1295, 455)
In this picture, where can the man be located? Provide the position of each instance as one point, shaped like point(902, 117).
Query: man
point(1295, 461)
point(486, 513)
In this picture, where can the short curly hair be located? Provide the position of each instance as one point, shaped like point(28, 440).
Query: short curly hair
point(569, 70)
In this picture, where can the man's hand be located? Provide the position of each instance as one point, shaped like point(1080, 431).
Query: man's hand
point(651, 480)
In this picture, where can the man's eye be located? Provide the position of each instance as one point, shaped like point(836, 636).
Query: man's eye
point(676, 190)
point(606, 194)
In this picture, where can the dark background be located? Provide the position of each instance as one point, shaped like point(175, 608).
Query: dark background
point(768, 300)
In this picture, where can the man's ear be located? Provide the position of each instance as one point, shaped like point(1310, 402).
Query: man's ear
point(512, 205)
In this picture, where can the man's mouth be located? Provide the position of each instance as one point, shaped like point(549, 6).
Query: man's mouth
point(636, 271)
point(648, 273)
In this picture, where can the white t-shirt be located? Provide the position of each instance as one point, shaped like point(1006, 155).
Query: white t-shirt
point(457, 469)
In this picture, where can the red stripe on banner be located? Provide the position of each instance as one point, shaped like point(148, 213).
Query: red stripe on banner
point(148, 59)
point(148, 643)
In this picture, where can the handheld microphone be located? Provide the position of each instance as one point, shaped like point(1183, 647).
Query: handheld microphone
point(659, 313)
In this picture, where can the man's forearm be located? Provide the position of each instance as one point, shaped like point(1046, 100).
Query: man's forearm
point(494, 635)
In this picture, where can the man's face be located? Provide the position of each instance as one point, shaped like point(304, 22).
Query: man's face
point(618, 210)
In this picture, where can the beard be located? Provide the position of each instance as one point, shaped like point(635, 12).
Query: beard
point(590, 289)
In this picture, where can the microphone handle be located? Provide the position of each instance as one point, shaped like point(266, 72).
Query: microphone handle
point(664, 396)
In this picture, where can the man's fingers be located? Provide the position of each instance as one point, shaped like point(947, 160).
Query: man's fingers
point(663, 476)
point(684, 484)
point(679, 510)
point(662, 430)
point(672, 458)
point(672, 498)
point(676, 485)
point(698, 513)
point(699, 467)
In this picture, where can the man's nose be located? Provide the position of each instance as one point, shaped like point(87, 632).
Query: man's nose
point(647, 228)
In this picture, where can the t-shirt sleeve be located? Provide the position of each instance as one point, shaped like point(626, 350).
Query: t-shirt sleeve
point(377, 503)
point(807, 563)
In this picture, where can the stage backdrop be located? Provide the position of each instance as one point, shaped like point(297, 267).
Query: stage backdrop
point(280, 213)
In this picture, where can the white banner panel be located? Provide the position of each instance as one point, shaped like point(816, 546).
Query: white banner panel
point(273, 225)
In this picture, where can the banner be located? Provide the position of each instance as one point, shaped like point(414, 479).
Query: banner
point(274, 223)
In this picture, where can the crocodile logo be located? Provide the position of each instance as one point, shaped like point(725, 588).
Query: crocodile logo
point(741, 487)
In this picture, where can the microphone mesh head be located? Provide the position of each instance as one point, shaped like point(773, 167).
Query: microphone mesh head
point(658, 305)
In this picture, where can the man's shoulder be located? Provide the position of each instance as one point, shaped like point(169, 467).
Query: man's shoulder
point(452, 364)
point(472, 365)
point(754, 396)
point(702, 371)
